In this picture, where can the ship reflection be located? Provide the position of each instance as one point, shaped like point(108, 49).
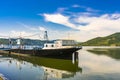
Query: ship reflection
point(55, 73)
point(52, 68)
point(50, 73)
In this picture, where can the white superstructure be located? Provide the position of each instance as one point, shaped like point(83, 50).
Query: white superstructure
point(59, 44)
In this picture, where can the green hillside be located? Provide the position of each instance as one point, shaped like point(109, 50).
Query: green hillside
point(111, 40)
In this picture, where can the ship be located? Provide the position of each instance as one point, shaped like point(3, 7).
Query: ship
point(60, 48)
point(57, 48)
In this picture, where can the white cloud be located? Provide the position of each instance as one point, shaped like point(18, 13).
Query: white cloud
point(52, 34)
point(59, 19)
point(42, 28)
point(18, 34)
point(100, 26)
point(28, 27)
point(37, 29)
point(60, 10)
point(91, 9)
point(75, 6)
point(88, 9)
point(95, 26)
point(104, 23)
point(31, 32)
point(24, 34)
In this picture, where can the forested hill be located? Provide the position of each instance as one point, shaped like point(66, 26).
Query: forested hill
point(111, 40)
point(23, 41)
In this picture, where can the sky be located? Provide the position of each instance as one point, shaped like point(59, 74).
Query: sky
point(80, 20)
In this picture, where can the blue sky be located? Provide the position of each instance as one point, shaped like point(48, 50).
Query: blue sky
point(76, 19)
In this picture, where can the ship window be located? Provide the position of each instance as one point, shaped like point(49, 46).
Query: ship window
point(52, 45)
point(46, 45)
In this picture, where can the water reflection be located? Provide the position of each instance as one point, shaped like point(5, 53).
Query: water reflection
point(99, 67)
point(55, 73)
point(111, 52)
point(97, 64)
point(36, 68)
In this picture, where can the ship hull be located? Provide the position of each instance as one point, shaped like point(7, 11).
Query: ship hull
point(57, 53)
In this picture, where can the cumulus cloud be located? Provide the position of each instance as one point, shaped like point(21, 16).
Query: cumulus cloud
point(94, 26)
point(104, 22)
point(100, 26)
point(59, 19)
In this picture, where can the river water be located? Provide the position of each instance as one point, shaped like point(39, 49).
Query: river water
point(95, 64)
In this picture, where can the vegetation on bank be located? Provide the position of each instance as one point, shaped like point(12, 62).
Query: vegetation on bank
point(111, 40)
point(111, 52)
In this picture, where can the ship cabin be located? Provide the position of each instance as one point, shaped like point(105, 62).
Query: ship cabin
point(59, 44)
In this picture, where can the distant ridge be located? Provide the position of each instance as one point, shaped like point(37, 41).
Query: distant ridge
point(23, 41)
point(111, 40)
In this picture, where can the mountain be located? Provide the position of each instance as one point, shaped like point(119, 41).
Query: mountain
point(23, 41)
point(111, 40)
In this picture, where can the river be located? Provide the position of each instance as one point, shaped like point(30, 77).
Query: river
point(92, 64)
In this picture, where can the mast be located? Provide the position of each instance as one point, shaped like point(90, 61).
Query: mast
point(45, 36)
point(10, 43)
